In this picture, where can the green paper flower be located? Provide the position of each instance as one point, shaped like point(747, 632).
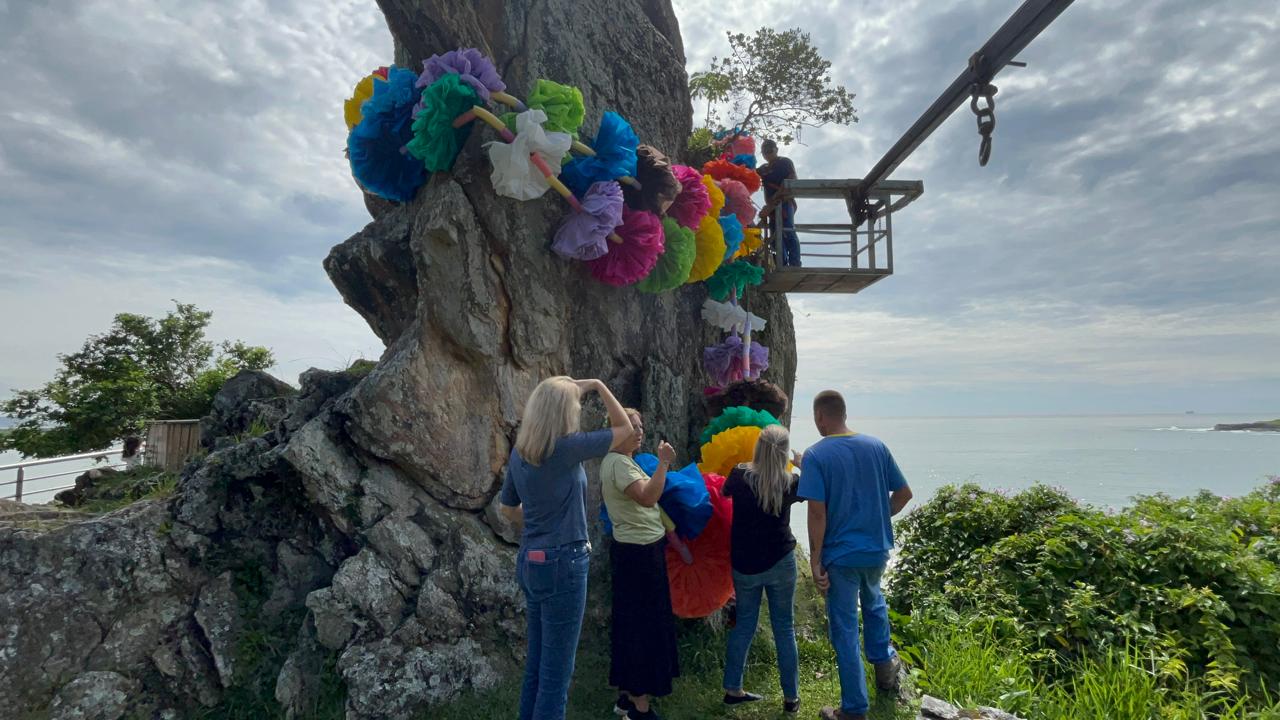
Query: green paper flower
point(562, 104)
point(435, 141)
point(737, 417)
point(733, 276)
point(676, 259)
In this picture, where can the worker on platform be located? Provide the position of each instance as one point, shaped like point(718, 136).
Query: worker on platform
point(773, 174)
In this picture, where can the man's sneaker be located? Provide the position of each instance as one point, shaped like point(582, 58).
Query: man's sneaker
point(745, 697)
point(791, 707)
point(888, 674)
point(622, 706)
point(830, 713)
point(649, 714)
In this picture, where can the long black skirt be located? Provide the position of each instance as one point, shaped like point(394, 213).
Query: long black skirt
point(645, 658)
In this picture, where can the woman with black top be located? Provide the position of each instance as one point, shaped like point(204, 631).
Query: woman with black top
point(763, 558)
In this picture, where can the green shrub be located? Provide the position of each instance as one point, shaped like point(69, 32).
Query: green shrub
point(1191, 585)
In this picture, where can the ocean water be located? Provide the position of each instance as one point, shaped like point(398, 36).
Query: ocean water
point(1102, 460)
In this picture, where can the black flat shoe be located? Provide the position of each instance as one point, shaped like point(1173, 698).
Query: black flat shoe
point(622, 706)
point(745, 697)
point(791, 706)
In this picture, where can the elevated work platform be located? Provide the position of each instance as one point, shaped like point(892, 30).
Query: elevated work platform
point(864, 244)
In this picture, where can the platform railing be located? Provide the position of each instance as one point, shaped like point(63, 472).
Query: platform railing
point(20, 482)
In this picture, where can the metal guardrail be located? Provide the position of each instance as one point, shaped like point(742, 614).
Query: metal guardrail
point(22, 478)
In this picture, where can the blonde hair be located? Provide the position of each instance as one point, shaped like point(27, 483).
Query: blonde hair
point(769, 478)
point(554, 410)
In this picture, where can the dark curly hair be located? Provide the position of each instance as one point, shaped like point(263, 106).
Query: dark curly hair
point(657, 181)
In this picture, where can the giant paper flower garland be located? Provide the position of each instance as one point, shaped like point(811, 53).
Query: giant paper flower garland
point(637, 220)
point(375, 146)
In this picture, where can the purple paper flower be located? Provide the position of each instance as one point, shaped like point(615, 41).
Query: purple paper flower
point(470, 65)
point(723, 362)
point(584, 235)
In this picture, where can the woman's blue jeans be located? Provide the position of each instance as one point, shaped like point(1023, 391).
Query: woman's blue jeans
point(779, 582)
point(555, 591)
point(849, 585)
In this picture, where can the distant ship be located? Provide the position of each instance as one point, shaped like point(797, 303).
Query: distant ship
point(1191, 412)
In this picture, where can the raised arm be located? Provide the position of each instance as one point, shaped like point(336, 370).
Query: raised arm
point(647, 492)
point(623, 433)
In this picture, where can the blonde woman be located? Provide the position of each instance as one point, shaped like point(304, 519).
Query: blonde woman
point(544, 489)
point(762, 553)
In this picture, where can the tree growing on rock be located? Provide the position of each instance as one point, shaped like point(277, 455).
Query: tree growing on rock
point(142, 368)
point(770, 85)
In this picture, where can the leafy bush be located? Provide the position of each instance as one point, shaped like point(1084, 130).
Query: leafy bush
point(1192, 584)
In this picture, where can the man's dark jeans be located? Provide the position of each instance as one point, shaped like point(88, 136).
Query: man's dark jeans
point(555, 591)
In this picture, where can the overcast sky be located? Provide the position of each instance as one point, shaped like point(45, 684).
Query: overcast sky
point(1118, 254)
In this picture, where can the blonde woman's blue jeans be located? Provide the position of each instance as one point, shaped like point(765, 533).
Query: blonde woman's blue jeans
point(779, 583)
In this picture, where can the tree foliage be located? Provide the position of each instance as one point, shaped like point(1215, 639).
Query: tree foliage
point(771, 84)
point(142, 368)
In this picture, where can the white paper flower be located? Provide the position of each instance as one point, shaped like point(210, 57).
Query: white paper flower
point(514, 176)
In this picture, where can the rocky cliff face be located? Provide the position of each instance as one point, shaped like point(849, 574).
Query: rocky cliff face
point(354, 549)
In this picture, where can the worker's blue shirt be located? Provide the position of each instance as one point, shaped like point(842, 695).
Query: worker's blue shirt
point(853, 475)
point(553, 494)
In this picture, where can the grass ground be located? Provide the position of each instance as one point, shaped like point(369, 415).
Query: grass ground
point(698, 692)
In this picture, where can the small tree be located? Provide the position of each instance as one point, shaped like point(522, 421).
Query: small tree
point(142, 368)
point(773, 83)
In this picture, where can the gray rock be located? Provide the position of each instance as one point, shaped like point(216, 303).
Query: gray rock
point(252, 395)
point(990, 713)
point(935, 709)
point(370, 502)
point(218, 613)
point(94, 695)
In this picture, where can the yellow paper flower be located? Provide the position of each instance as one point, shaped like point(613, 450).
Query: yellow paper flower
point(727, 449)
point(716, 195)
point(752, 239)
point(351, 108)
point(711, 248)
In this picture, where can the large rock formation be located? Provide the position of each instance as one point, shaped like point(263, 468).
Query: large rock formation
point(353, 550)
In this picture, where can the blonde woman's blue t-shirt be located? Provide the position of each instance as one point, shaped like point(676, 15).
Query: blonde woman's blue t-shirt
point(853, 475)
point(554, 493)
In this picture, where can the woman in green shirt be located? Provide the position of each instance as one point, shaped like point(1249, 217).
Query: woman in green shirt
point(643, 630)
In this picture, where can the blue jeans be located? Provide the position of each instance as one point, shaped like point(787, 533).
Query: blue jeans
point(779, 582)
point(555, 592)
point(790, 240)
point(848, 586)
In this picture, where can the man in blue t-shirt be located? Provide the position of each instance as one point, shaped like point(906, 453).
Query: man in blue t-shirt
point(853, 487)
